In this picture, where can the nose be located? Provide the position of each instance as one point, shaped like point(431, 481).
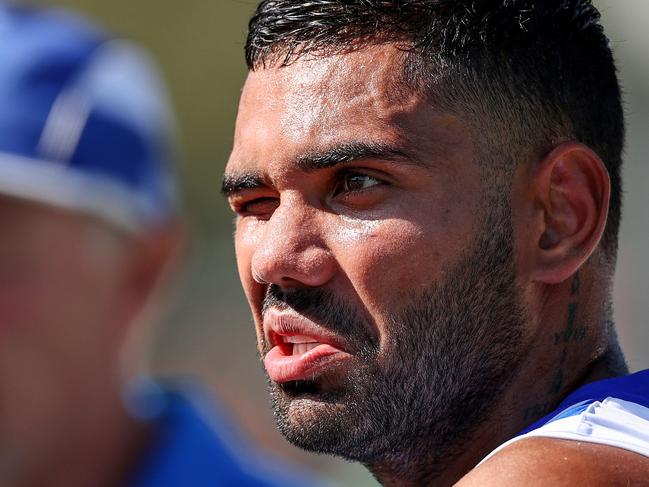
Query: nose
point(292, 251)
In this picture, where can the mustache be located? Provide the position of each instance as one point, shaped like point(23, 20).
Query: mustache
point(324, 308)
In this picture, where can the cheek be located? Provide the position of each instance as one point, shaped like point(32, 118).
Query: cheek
point(29, 294)
point(246, 241)
point(19, 302)
point(59, 302)
point(388, 259)
point(396, 260)
point(40, 331)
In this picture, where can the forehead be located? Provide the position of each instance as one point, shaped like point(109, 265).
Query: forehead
point(320, 102)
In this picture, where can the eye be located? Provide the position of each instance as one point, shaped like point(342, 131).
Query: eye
point(261, 208)
point(354, 181)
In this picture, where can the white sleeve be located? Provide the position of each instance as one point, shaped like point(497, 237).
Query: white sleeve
point(611, 422)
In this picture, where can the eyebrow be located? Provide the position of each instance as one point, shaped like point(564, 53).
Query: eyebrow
point(234, 183)
point(354, 151)
point(324, 159)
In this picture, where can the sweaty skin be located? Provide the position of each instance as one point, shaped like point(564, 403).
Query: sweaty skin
point(345, 181)
point(431, 193)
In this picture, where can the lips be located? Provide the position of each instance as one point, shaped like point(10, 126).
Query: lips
point(300, 349)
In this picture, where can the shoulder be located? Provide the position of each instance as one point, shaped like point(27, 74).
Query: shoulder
point(556, 462)
point(599, 443)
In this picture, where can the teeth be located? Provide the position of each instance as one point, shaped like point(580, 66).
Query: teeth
point(298, 339)
point(302, 348)
point(301, 344)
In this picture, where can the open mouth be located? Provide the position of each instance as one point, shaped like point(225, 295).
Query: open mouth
point(300, 349)
point(301, 388)
point(298, 345)
point(300, 358)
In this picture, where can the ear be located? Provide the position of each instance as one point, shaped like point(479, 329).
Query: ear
point(152, 263)
point(154, 258)
point(571, 188)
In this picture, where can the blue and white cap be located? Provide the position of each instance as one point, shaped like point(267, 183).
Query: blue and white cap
point(84, 120)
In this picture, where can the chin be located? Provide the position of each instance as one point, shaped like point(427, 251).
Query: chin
point(329, 422)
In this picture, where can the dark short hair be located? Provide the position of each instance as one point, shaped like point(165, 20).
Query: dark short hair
point(526, 74)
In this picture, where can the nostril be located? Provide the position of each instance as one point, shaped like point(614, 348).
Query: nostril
point(258, 279)
point(298, 258)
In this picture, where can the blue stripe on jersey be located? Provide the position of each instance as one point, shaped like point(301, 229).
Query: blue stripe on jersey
point(633, 388)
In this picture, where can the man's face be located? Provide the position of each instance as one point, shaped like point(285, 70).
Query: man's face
point(375, 254)
point(62, 283)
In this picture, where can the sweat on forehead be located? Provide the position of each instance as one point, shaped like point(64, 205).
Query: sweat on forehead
point(493, 61)
point(341, 108)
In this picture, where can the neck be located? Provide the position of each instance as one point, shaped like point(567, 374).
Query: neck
point(574, 345)
point(419, 468)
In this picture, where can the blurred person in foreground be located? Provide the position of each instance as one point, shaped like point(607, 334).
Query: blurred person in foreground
point(89, 228)
point(428, 200)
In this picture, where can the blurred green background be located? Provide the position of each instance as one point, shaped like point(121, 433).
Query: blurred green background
point(208, 332)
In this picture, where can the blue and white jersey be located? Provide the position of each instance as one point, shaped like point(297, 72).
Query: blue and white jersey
point(194, 444)
point(613, 412)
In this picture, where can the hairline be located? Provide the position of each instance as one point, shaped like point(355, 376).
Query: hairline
point(416, 74)
point(503, 146)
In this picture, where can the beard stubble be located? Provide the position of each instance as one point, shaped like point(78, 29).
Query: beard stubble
point(448, 355)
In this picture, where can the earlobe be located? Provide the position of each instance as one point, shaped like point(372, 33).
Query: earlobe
point(571, 187)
